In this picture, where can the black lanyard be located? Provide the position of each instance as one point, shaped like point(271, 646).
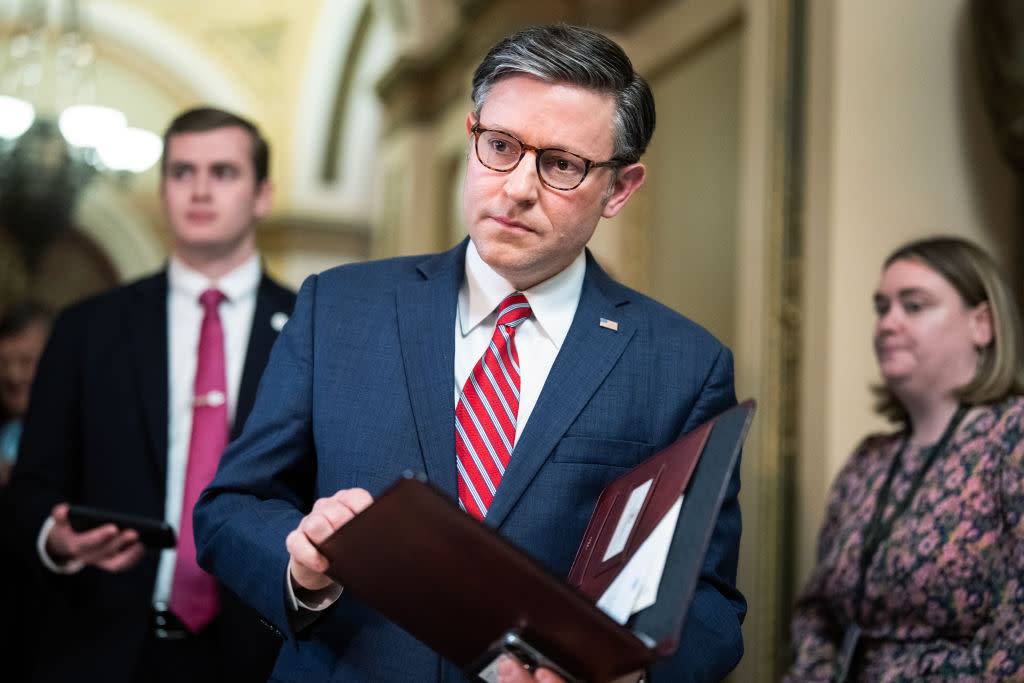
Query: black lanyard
point(877, 530)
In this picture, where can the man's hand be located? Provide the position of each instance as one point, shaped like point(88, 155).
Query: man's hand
point(105, 546)
point(328, 514)
point(511, 671)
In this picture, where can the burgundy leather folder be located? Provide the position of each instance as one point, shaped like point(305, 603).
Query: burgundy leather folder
point(426, 565)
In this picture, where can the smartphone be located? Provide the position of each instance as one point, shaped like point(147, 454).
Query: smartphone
point(152, 532)
point(512, 644)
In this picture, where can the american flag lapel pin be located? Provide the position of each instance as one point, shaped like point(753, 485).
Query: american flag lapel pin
point(609, 324)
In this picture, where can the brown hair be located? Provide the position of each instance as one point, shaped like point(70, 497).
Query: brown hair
point(977, 279)
point(22, 315)
point(203, 119)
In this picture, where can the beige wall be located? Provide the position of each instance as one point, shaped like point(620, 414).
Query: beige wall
point(693, 174)
point(897, 148)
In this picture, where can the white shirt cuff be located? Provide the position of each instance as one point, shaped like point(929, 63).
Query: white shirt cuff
point(314, 601)
point(72, 566)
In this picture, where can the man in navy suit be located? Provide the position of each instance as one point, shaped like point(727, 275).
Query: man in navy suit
point(364, 381)
point(110, 418)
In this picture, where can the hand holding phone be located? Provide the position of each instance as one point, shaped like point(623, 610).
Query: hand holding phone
point(513, 645)
point(155, 533)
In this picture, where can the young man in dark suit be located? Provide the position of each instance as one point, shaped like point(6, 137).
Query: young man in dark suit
point(377, 372)
point(118, 420)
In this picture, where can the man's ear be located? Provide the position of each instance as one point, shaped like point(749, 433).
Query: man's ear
point(470, 122)
point(264, 199)
point(627, 181)
point(981, 325)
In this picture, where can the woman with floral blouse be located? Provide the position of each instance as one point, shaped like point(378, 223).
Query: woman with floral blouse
point(920, 573)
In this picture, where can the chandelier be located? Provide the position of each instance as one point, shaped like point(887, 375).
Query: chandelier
point(54, 136)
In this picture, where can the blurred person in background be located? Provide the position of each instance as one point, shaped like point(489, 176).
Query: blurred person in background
point(23, 332)
point(24, 328)
point(137, 393)
point(920, 556)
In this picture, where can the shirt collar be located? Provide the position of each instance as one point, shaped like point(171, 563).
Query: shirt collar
point(553, 302)
point(190, 283)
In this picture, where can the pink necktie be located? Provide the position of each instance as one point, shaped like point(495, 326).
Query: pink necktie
point(485, 418)
point(193, 591)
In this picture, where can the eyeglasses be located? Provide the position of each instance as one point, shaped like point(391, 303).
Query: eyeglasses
point(556, 168)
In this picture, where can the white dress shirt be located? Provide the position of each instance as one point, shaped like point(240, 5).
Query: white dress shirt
point(184, 318)
point(538, 338)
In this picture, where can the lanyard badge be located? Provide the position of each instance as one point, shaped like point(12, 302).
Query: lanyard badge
point(844, 658)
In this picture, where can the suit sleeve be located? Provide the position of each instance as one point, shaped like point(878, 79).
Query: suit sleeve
point(264, 484)
point(50, 450)
point(711, 644)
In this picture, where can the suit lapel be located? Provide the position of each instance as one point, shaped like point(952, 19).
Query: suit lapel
point(149, 337)
point(588, 354)
point(269, 301)
point(426, 325)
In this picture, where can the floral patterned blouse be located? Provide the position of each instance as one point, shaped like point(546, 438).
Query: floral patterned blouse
point(944, 593)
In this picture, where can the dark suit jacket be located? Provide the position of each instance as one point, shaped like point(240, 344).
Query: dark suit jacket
point(359, 388)
point(96, 434)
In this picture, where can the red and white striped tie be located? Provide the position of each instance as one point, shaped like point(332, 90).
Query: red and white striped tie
point(485, 418)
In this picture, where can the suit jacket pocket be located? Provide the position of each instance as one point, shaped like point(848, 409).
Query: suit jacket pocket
point(590, 451)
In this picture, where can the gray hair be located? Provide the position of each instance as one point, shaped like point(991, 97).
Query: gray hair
point(577, 56)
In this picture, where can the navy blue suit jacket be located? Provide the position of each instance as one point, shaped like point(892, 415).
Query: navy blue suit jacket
point(359, 388)
point(96, 434)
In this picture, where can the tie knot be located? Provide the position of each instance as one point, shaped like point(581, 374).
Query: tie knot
point(210, 299)
point(513, 310)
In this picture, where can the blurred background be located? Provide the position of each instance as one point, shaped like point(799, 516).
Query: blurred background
point(798, 142)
